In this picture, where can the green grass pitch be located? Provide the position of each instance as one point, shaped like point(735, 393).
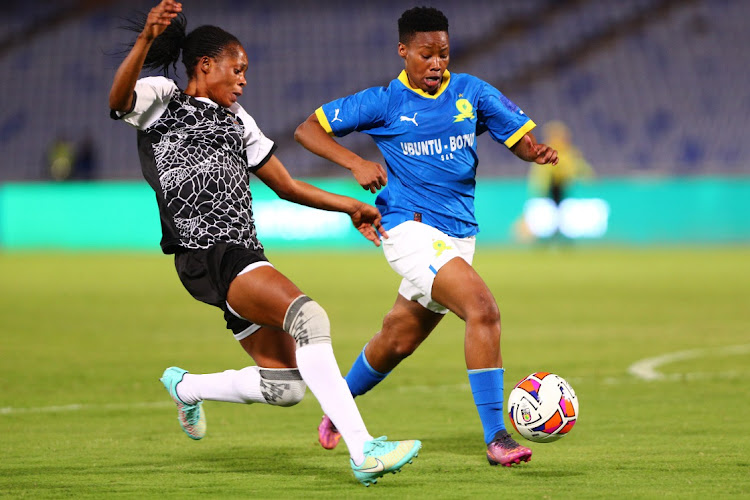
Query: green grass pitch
point(656, 343)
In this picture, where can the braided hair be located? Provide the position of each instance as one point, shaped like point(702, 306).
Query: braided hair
point(420, 20)
point(165, 50)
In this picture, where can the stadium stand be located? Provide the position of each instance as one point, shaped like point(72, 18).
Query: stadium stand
point(649, 87)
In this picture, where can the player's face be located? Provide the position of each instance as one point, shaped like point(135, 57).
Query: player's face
point(426, 58)
point(225, 77)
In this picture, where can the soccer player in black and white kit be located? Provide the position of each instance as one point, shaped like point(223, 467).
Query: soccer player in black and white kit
point(197, 148)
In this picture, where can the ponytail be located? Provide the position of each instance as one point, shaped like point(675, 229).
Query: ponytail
point(165, 49)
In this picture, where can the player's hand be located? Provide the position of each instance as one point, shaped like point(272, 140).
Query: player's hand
point(160, 17)
point(366, 219)
point(545, 154)
point(529, 150)
point(370, 175)
point(537, 152)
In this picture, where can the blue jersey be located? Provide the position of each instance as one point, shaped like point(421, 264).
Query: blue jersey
point(429, 144)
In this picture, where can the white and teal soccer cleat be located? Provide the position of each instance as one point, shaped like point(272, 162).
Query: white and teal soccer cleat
point(382, 456)
point(192, 417)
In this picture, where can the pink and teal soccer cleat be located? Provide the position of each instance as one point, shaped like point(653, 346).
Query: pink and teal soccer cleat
point(382, 457)
point(504, 450)
point(192, 417)
point(328, 435)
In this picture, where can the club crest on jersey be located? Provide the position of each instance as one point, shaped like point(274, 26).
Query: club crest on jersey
point(440, 246)
point(465, 110)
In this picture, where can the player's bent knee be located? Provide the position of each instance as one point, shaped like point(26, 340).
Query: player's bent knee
point(307, 322)
point(282, 386)
point(403, 348)
point(484, 310)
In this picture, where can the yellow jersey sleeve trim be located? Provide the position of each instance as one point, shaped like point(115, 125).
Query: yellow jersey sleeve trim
point(443, 85)
point(510, 141)
point(323, 120)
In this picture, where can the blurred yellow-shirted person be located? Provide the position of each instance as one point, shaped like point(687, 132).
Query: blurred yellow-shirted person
point(553, 181)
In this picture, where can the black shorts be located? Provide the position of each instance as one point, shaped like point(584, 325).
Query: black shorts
point(207, 274)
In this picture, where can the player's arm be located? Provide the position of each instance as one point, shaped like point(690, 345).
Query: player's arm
point(529, 150)
point(311, 134)
point(365, 218)
point(123, 85)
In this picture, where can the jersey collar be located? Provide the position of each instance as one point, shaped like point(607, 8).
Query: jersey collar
point(405, 80)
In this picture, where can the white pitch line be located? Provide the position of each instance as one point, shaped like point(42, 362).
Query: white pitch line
point(80, 407)
point(646, 369)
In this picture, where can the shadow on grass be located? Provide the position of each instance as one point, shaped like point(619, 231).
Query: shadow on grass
point(470, 450)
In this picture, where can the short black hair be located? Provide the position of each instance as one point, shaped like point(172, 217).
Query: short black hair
point(419, 20)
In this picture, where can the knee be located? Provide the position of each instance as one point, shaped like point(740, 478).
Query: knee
point(307, 322)
point(282, 387)
point(401, 337)
point(484, 311)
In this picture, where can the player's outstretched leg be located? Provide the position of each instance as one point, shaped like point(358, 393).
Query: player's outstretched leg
point(328, 434)
point(382, 457)
point(192, 417)
point(503, 450)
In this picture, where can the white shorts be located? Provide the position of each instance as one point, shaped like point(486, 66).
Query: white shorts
point(416, 252)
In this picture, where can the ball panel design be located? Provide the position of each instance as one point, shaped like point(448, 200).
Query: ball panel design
point(567, 427)
point(552, 424)
point(566, 405)
point(543, 407)
point(531, 386)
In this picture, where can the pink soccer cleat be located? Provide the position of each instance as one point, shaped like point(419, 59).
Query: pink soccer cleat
point(328, 435)
point(504, 450)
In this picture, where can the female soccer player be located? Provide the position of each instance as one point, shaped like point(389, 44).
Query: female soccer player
point(425, 124)
point(197, 148)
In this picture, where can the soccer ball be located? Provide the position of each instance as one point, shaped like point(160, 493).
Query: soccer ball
point(543, 407)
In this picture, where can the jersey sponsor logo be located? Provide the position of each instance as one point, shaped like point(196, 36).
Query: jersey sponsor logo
point(465, 110)
point(437, 146)
point(461, 141)
point(419, 148)
point(336, 116)
point(413, 119)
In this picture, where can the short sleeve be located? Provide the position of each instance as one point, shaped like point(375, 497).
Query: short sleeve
point(361, 111)
point(258, 147)
point(152, 95)
point(505, 121)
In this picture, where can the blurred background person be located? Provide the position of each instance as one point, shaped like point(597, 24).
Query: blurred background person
point(60, 159)
point(554, 181)
point(85, 162)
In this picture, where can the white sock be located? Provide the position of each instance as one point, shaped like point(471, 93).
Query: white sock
point(318, 367)
point(231, 386)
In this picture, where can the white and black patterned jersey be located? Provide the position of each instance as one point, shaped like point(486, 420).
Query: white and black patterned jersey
point(197, 156)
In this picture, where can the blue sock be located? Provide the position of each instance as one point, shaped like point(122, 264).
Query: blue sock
point(487, 388)
point(362, 377)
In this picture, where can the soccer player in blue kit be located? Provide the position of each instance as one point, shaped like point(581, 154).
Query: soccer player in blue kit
point(425, 123)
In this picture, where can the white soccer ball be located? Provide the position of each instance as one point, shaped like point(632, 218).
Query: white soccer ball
point(543, 407)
